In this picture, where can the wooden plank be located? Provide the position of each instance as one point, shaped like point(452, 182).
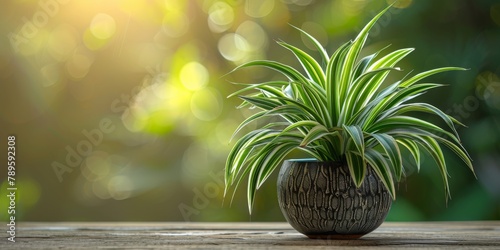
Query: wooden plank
point(391, 235)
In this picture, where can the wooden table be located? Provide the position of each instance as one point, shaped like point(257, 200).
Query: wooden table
point(120, 235)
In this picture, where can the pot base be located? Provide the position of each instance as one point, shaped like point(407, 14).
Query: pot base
point(334, 236)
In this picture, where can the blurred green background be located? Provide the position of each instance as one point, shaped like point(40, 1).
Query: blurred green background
point(120, 108)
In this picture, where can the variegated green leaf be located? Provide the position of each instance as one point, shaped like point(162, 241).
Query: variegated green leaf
point(413, 149)
point(428, 73)
point(357, 166)
point(317, 45)
point(277, 84)
point(311, 66)
point(381, 167)
point(284, 69)
point(391, 149)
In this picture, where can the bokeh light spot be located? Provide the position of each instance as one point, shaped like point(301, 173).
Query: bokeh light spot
point(175, 24)
point(159, 121)
point(97, 164)
point(103, 26)
point(253, 33)
point(206, 104)
point(34, 45)
point(92, 42)
point(120, 187)
point(79, 64)
point(233, 47)
point(194, 76)
point(258, 8)
point(100, 189)
point(157, 113)
point(51, 74)
point(488, 89)
point(298, 2)
point(29, 194)
point(220, 16)
point(62, 41)
point(134, 118)
point(495, 13)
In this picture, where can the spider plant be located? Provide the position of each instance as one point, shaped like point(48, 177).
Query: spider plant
point(341, 110)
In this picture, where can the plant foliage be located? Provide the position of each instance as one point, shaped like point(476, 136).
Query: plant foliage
point(341, 111)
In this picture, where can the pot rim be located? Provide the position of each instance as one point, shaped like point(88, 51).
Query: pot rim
point(303, 160)
point(310, 160)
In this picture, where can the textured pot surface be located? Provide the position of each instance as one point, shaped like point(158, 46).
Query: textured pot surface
point(320, 200)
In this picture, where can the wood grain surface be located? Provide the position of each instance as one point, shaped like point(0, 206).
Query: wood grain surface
point(123, 235)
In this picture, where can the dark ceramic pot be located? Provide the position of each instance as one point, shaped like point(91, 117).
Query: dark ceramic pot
point(320, 200)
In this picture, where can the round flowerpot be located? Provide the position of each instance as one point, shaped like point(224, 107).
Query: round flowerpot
point(320, 200)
